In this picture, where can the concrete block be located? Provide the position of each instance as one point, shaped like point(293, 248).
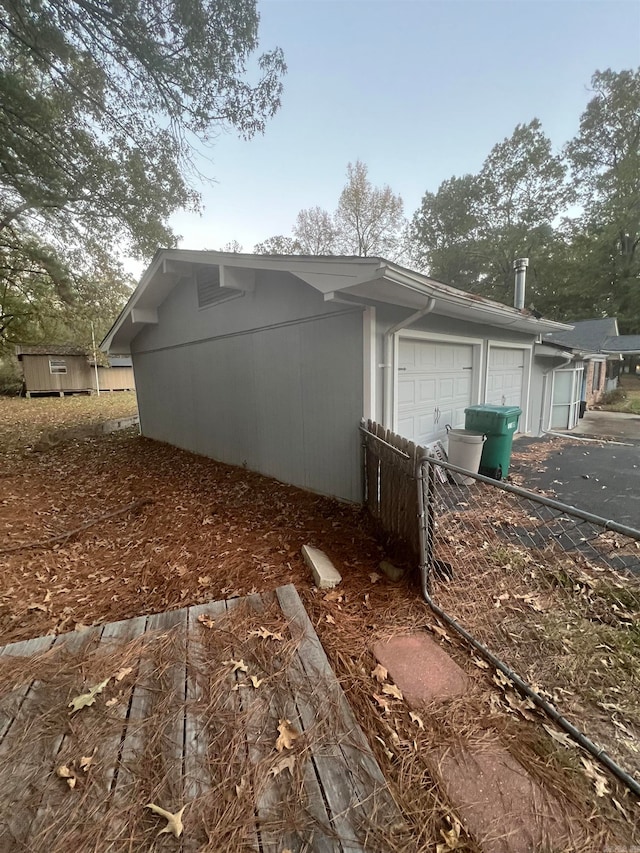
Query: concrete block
point(325, 574)
point(392, 572)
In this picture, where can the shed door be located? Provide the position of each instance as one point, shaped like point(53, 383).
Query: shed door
point(434, 388)
point(505, 377)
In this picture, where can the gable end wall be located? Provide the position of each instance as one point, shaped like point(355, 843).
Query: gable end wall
point(271, 380)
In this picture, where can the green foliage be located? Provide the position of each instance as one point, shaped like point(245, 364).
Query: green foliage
point(474, 227)
point(100, 104)
point(471, 230)
point(605, 159)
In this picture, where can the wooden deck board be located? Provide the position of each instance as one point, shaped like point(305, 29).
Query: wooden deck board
point(179, 728)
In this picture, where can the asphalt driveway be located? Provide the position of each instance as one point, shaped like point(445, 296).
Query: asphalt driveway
point(602, 478)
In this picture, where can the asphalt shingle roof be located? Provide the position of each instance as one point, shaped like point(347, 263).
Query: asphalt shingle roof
point(623, 343)
point(587, 335)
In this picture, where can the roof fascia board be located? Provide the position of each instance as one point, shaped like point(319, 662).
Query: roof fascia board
point(147, 278)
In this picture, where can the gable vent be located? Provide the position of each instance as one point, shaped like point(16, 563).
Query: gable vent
point(209, 290)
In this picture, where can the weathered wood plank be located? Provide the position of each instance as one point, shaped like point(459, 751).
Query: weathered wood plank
point(371, 794)
point(26, 759)
point(146, 690)
point(317, 835)
point(197, 781)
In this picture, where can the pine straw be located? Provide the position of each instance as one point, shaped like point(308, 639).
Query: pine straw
point(235, 752)
point(410, 757)
point(567, 624)
point(215, 531)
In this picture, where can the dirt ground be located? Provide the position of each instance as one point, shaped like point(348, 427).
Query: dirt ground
point(184, 530)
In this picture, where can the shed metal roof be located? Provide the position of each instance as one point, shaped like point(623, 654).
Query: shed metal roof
point(49, 349)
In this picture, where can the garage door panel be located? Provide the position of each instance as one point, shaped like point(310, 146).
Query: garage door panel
point(406, 392)
point(505, 376)
point(427, 391)
point(440, 378)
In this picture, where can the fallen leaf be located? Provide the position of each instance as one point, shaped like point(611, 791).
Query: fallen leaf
point(242, 787)
point(204, 581)
point(374, 577)
point(392, 690)
point(333, 595)
point(379, 673)
point(174, 821)
point(256, 681)
point(110, 702)
point(560, 737)
point(501, 679)
point(286, 763)
point(495, 704)
point(451, 836)
point(236, 664)
point(123, 673)
point(47, 597)
point(440, 632)
point(266, 634)
point(68, 774)
point(287, 735)
point(330, 619)
point(482, 664)
point(86, 699)
point(598, 779)
point(416, 719)
point(384, 703)
point(522, 706)
point(87, 760)
point(206, 620)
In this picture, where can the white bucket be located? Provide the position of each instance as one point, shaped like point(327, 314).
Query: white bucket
point(465, 451)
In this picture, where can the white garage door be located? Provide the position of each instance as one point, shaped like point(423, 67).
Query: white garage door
point(434, 388)
point(505, 376)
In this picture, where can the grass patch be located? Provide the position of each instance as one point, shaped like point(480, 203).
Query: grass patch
point(626, 397)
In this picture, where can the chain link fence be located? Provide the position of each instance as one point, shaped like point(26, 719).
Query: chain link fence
point(551, 591)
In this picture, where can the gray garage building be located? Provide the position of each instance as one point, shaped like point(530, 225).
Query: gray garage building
point(271, 361)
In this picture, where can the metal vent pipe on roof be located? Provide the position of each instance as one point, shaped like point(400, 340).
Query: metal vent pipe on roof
point(520, 266)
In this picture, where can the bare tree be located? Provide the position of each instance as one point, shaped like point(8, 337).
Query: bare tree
point(369, 219)
point(278, 245)
point(315, 232)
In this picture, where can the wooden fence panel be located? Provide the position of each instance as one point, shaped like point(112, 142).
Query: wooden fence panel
point(391, 485)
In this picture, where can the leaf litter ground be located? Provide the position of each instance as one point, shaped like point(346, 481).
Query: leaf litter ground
point(211, 532)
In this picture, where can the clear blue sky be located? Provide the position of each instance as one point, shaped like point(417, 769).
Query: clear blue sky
point(418, 90)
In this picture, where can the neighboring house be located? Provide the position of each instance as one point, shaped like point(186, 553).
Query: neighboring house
point(592, 359)
point(54, 369)
point(271, 361)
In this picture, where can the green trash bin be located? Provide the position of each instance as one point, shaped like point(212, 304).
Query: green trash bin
point(499, 424)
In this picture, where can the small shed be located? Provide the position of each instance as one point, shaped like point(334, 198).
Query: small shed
point(67, 369)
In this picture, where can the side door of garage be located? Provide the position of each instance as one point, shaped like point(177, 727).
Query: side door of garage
point(434, 386)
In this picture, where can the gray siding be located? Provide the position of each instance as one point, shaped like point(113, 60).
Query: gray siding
point(272, 380)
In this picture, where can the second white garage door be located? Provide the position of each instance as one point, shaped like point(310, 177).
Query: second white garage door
point(505, 376)
point(435, 382)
